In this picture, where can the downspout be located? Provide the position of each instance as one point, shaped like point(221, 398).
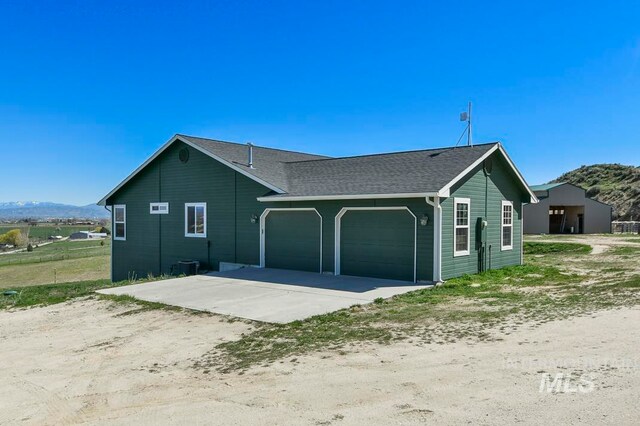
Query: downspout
point(437, 238)
point(110, 245)
point(522, 233)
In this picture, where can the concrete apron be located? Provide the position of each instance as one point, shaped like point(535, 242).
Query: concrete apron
point(268, 295)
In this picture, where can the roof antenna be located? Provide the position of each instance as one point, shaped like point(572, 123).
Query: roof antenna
point(250, 146)
point(466, 116)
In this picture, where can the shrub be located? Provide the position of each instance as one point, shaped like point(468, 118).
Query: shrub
point(29, 247)
point(14, 237)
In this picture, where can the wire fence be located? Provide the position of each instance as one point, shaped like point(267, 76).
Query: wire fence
point(14, 260)
point(625, 227)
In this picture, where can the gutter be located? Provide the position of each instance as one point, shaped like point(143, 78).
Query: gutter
point(111, 244)
point(276, 198)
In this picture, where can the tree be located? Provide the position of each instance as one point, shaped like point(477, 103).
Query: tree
point(102, 230)
point(14, 237)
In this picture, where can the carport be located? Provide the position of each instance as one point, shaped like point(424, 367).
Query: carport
point(263, 294)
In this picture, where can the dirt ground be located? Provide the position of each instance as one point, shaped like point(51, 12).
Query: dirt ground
point(84, 362)
point(95, 361)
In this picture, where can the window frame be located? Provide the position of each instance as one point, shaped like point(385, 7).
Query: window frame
point(116, 222)
point(456, 202)
point(164, 204)
point(504, 204)
point(186, 219)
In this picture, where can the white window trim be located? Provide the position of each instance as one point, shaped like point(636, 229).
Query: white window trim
point(502, 226)
point(116, 207)
point(457, 201)
point(186, 216)
point(152, 205)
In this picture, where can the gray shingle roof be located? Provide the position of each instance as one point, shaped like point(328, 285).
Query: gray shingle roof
point(394, 173)
point(300, 174)
point(268, 162)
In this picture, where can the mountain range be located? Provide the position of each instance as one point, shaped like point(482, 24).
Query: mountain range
point(48, 210)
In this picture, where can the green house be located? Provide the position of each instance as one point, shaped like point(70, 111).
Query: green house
point(420, 216)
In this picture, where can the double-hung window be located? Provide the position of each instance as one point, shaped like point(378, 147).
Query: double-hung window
point(120, 222)
point(461, 234)
point(507, 226)
point(195, 220)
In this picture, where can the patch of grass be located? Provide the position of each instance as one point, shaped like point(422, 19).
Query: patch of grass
point(52, 293)
point(477, 307)
point(141, 305)
point(467, 305)
point(624, 250)
point(81, 269)
point(531, 247)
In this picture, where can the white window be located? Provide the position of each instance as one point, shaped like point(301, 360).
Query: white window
point(120, 222)
point(159, 208)
point(461, 236)
point(195, 220)
point(507, 226)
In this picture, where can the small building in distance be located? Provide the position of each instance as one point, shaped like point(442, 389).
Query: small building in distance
point(565, 209)
point(87, 235)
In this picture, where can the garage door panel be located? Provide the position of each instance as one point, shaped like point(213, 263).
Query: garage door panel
point(292, 240)
point(378, 243)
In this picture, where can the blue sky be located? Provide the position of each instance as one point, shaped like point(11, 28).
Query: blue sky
point(88, 89)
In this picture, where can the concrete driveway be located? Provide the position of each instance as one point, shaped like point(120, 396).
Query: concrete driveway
point(269, 295)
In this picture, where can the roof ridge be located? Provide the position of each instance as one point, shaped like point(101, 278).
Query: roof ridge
point(379, 154)
point(254, 145)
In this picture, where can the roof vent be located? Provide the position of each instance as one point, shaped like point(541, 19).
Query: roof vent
point(183, 155)
point(250, 160)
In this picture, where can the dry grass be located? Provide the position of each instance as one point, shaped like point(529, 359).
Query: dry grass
point(69, 270)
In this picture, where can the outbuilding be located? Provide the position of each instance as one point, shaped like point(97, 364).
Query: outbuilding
point(565, 209)
point(424, 215)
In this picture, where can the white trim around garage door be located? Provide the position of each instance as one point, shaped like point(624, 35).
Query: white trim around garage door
point(337, 234)
point(263, 220)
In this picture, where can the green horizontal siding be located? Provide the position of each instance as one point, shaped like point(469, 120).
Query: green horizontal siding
point(156, 242)
point(486, 195)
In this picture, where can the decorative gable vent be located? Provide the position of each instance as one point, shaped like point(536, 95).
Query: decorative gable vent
point(183, 155)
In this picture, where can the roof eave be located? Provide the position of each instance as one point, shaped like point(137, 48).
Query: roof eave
point(497, 147)
point(175, 138)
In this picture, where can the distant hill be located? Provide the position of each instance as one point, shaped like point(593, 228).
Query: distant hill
point(47, 210)
point(613, 184)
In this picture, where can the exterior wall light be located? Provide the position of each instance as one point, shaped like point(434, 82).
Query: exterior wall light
point(254, 218)
point(424, 220)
